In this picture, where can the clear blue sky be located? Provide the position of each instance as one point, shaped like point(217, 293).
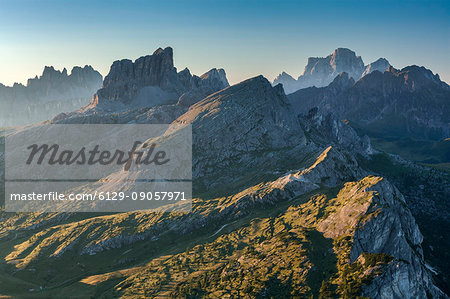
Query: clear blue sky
point(246, 38)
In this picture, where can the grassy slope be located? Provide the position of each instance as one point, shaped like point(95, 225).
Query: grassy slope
point(282, 255)
point(282, 240)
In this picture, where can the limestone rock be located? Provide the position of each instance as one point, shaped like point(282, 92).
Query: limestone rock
point(380, 65)
point(45, 96)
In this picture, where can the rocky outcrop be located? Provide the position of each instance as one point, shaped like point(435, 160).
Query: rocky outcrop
point(153, 80)
point(133, 91)
point(373, 213)
point(45, 96)
point(208, 83)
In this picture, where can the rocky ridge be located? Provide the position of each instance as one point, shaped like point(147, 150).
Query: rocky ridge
point(409, 102)
point(148, 90)
point(47, 95)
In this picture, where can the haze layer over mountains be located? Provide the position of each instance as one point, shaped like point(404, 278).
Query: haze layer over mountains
point(49, 94)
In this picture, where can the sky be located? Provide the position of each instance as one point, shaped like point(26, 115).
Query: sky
point(245, 37)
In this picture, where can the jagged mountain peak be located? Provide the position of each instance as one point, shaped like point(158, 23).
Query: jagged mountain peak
point(411, 78)
point(53, 75)
point(216, 74)
point(285, 79)
point(343, 58)
point(381, 60)
point(381, 65)
point(420, 75)
point(50, 73)
point(321, 71)
point(153, 80)
point(284, 75)
point(167, 50)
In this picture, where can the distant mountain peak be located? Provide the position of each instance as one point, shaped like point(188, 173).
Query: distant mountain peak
point(160, 50)
point(321, 71)
point(284, 78)
point(343, 80)
point(46, 95)
point(381, 65)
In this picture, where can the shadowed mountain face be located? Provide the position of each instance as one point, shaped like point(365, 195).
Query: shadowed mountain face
point(148, 90)
point(153, 80)
point(285, 202)
point(320, 71)
point(45, 96)
point(409, 103)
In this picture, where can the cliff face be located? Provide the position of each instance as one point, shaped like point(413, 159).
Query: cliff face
point(153, 80)
point(380, 65)
point(45, 96)
point(282, 205)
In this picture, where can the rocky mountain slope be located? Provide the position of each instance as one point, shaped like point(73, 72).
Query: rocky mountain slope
point(148, 90)
point(394, 106)
point(321, 71)
point(45, 96)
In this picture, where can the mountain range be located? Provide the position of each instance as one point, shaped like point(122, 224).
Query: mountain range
point(291, 198)
point(51, 93)
point(321, 71)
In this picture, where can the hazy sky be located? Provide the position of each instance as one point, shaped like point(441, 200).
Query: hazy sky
point(246, 38)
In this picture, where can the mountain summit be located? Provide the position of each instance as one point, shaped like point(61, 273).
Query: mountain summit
point(321, 71)
point(153, 80)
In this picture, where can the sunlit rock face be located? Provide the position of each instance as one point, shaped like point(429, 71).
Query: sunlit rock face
point(321, 71)
point(45, 96)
